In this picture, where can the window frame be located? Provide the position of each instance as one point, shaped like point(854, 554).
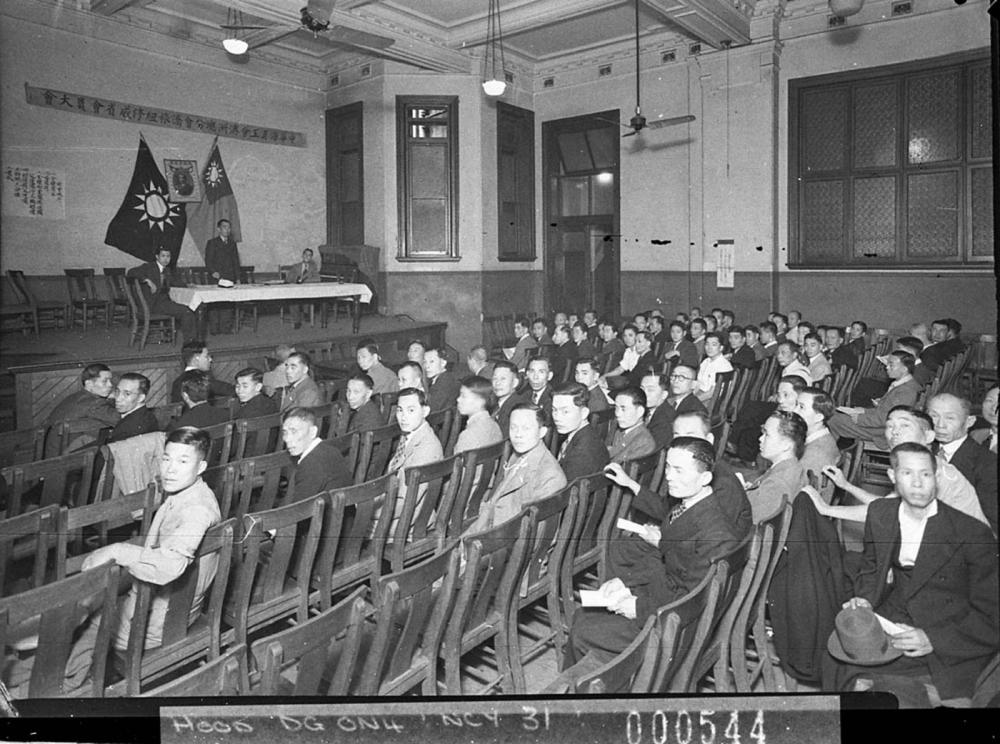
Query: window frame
point(524, 177)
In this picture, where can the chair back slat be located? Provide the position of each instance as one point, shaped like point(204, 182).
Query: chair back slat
point(65, 480)
point(377, 447)
point(32, 535)
point(256, 436)
point(424, 512)
point(623, 672)
point(479, 471)
point(224, 676)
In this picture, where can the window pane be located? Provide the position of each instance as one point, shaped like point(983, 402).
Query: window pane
point(932, 215)
point(428, 171)
point(982, 113)
point(575, 196)
point(875, 125)
point(824, 129)
point(603, 146)
point(424, 131)
point(982, 212)
point(421, 112)
point(575, 153)
point(933, 111)
point(875, 217)
point(603, 189)
point(823, 220)
point(429, 220)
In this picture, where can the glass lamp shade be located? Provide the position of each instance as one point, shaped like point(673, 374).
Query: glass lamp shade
point(235, 46)
point(494, 87)
point(843, 8)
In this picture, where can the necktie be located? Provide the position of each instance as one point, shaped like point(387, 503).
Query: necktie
point(397, 458)
point(677, 511)
point(563, 448)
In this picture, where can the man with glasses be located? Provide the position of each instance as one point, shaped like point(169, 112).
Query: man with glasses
point(683, 381)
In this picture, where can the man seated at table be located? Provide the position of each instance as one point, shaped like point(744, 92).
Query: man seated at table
point(250, 401)
point(582, 452)
point(301, 390)
point(304, 272)
point(195, 355)
point(319, 465)
point(371, 364)
point(130, 402)
point(87, 410)
point(692, 534)
point(198, 412)
point(157, 278)
point(365, 413)
point(632, 439)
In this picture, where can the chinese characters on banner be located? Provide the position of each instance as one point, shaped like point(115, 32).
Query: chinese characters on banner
point(33, 192)
point(108, 109)
point(725, 267)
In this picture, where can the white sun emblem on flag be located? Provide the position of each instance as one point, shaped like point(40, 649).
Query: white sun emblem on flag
point(214, 174)
point(156, 207)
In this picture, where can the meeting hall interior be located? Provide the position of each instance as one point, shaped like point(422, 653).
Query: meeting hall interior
point(484, 347)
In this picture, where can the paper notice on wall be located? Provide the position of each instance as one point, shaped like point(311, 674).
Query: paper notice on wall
point(34, 192)
point(725, 266)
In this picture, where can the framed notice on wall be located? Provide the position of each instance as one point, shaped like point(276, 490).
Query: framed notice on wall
point(183, 180)
point(29, 191)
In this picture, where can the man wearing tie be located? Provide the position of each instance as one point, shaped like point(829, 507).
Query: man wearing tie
point(222, 259)
point(418, 444)
point(304, 272)
point(157, 279)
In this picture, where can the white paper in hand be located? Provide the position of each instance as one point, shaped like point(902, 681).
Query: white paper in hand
point(888, 625)
point(629, 526)
point(594, 598)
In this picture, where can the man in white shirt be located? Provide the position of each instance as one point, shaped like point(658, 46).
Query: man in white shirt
point(713, 363)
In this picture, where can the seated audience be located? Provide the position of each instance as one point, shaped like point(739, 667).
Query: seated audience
point(531, 474)
point(769, 338)
point(250, 401)
point(130, 402)
point(713, 363)
point(563, 354)
point(87, 410)
point(593, 329)
point(781, 327)
point(794, 333)
point(920, 332)
point(679, 348)
point(524, 341)
point(952, 417)
point(505, 383)
point(697, 331)
point(659, 418)
point(540, 332)
point(711, 324)
point(782, 443)
point(365, 413)
point(751, 335)
point(740, 355)
point(371, 364)
point(988, 436)
point(581, 340)
point(195, 355)
point(868, 424)
point(839, 353)
point(588, 375)
point(419, 444)
point(582, 452)
point(819, 365)
point(945, 343)
point(690, 536)
point(621, 365)
point(442, 384)
point(728, 320)
point(788, 360)
point(658, 336)
point(632, 439)
point(319, 465)
point(275, 378)
point(683, 382)
point(744, 434)
point(858, 337)
point(301, 390)
point(815, 407)
point(612, 347)
point(410, 374)
point(476, 402)
point(198, 412)
point(932, 571)
point(538, 391)
point(478, 362)
point(157, 278)
point(904, 424)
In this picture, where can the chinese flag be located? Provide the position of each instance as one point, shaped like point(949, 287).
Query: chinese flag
point(147, 219)
point(219, 203)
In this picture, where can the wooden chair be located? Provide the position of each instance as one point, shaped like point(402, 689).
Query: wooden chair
point(273, 565)
point(486, 592)
point(245, 310)
point(723, 390)
point(167, 413)
point(65, 481)
point(224, 676)
point(442, 422)
point(539, 598)
point(412, 609)
point(356, 524)
point(479, 471)
point(221, 443)
point(283, 272)
point(32, 537)
point(256, 436)
point(121, 308)
point(45, 620)
point(317, 657)
point(425, 513)
point(93, 522)
point(230, 485)
point(84, 300)
point(144, 321)
point(377, 447)
point(22, 446)
point(342, 274)
point(50, 313)
point(601, 421)
point(266, 484)
point(23, 312)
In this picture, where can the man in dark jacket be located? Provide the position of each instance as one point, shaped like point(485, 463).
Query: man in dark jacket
point(130, 402)
point(319, 465)
point(199, 413)
point(582, 452)
point(157, 278)
point(250, 401)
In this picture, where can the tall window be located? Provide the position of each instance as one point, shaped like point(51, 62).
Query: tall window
point(892, 167)
point(345, 185)
point(515, 183)
point(427, 149)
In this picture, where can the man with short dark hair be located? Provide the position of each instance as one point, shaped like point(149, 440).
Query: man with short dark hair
point(769, 339)
point(157, 278)
point(751, 334)
point(711, 366)
point(815, 407)
point(540, 332)
point(659, 418)
point(781, 324)
point(222, 261)
point(250, 401)
point(410, 374)
point(945, 343)
point(319, 464)
point(195, 355)
point(301, 391)
point(523, 341)
point(582, 452)
point(858, 337)
point(198, 412)
point(539, 392)
point(593, 330)
point(478, 362)
point(584, 346)
point(563, 353)
point(679, 348)
point(612, 347)
point(442, 384)
point(697, 330)
point(275, 378)
point(868, 424)
point(370, 362)
point(130, 402)
point(90, 409)
point(365, 413)
point(505, 383)
point(632, 439)
point(819, 365)
point(587, 374)
point(782, 443)
point(741, 355)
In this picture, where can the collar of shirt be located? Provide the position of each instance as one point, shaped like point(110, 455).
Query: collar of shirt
point(569, 437)
point(771, 343)
point(700, 496)
point(911, 533)
point(900, 381)
point(817, 434)
point(952, 447)
point(309, 448)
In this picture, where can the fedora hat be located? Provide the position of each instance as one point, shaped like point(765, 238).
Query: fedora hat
point(858, 638)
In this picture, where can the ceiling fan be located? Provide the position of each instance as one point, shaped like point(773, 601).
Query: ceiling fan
point(314, 17)
point(638, 122)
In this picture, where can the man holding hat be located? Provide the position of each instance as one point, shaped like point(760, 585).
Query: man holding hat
point(932, 571)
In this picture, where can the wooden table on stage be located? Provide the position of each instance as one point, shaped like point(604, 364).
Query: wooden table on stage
point(196, 296)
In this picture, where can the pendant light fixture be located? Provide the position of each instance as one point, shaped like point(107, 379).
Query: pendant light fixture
point(494, 82)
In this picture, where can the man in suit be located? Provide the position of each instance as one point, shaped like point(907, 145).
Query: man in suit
point(631, 439)
point(130, 402)
point(563, 354)
point(952, 417)
point(505, 383)
point(659, 418)
point(781, 325)
point(592, 327)
point(319, 465)
point(475, 402)
point(198, 412)
point(945, 343)
point(90, 409)
point(584, 346)
point(690, 536)
point(539, 390)
point(524, 341)
point(838, 352)
point(697, 330)
point(683, 381)
point(222, 258)
point(582, 452)
point(275, 378)
point(301, 390)
point(741, 354)
point(304, 272)
point(636, 360)
point(540, 332)
point(769, 338)
point(858, 337)
point(818, 364)
point(531, 474)
point(612, 347)
point(157, 279)
point(365, 413)
point(869, 423)
point(250, 401)
point(418, 444)
point(752, 335)
point(196, 356)
point(411, 374)
point(588, 375)
point(815, 407)
point(478, 362)
point(442, 384)
point(679, 348)
point(933, 571)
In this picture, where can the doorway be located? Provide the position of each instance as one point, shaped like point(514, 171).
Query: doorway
point(582, 259)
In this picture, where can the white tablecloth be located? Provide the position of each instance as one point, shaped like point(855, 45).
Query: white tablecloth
point(196, 295)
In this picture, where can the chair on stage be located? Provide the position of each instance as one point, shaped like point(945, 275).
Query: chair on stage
point(85, 301)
